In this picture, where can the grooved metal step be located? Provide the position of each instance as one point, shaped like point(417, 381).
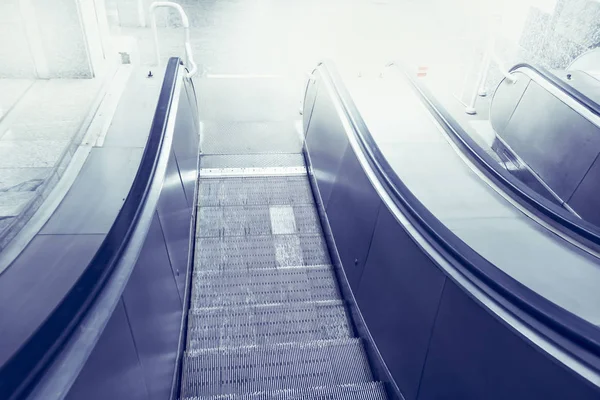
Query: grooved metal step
point(266, 319)
point(361, 391)
point(233, 221)
point(234, 253)
point(274, 367)
point(266, 324)
point(286, 160)
point(257, 220)
point(276, 190)
point(229, 288)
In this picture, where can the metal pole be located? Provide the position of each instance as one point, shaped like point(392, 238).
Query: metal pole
point(481, 76)
point(189, 58)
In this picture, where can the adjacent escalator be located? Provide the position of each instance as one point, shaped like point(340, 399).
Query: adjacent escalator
point(463, 292)
point(547, 126)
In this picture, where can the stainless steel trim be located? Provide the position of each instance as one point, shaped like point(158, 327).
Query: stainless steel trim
point(241, 172)
point(559, 94)
point(186, 28)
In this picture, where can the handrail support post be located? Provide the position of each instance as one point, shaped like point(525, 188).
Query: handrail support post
point(189, 58)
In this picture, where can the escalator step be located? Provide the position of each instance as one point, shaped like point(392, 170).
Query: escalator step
point(362, 391)
point(285, 160)
point(268, 286)
point(274, 367)
point(267, 324)
point(233, 221)
point(257, 220)
point(234, 253)
point(275, 190)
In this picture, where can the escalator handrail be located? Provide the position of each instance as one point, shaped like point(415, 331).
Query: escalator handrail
point(523, 193)
point(568, 223)
point(561, 85)
point(24, 369)
point(490, 279)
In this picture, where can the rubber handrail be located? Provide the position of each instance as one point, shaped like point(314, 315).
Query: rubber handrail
point(563, 86)
point(571, 327)
point(22, 371)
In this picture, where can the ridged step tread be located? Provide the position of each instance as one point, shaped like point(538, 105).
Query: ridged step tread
point(265, 324)
point(274, 190)
point(362, 391)
point(278, 160)
point(263, 286)
point(256, 252)
point(274, 367)
point(221, 221)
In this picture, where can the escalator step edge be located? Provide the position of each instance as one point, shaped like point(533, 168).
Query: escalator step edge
point(274, 367)
point(362, 391)
point(264, 324)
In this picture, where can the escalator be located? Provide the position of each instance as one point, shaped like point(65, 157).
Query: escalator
point(558, 151)
point(263, 316)
point(260, 260)
point(266, 319)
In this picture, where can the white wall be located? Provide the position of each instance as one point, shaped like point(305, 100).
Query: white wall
point(52, 38)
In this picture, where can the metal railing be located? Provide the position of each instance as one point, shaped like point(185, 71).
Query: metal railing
point(489, 56)
point(189, 57)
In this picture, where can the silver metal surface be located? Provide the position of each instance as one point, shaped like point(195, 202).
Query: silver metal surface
point(255, 191)
point(264, 324)
point(241, 172)
point(274, 367)
point(258, 161)
point(266, 318)
point(266, 286)
point(186, 27)
point(233, 221)
point(256, 220)
point(558, 93)
point(283, 221)
point(360, 391)
point(235, 253)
